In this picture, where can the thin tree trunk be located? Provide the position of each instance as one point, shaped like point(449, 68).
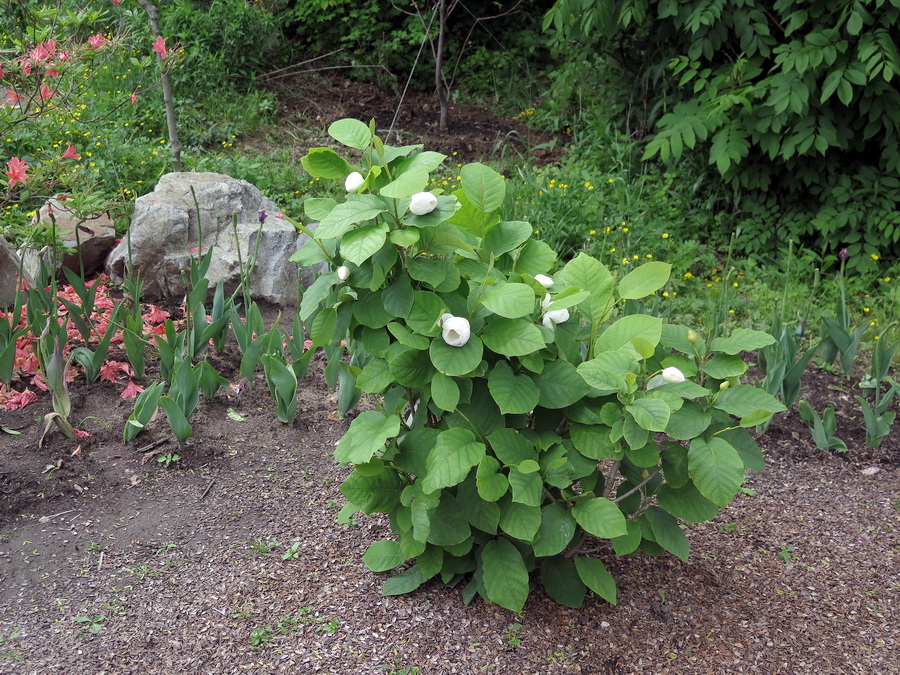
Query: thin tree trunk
point(174, 144)
point(443, 98)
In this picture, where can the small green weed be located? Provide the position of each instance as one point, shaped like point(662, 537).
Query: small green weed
point(169, 459)
point(260, 547)
point(787, 554)
point(8, 651)
point(260, 637)
point(94, 624)
point(512, 636)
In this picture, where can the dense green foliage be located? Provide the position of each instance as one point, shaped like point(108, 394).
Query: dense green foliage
point(795, 104)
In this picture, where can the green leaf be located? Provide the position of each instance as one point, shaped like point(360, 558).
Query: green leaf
point(742, 340)
point(410, 367)
point(426, 311)
point(628, 330)
point(449, 525)
point(366, 436)
point(513, 394)
point(521, 521)
point(398, 297)
point(446, 207)
point(359, 245)
point(352, 133)
point(482, 514)
point(511, 301)
point(451, 459)
point(560, 385)
point(562, 582)
point(317, 208)
point(629, 542)
point(427, 161)
point(650, 414)
point(600, 517)
point(605, 372)
point(325, 163)
point(527, 488)
point(504, 575)
point(375, 377)
point(590, 275)
point(644, 280)
point(743, 399)
point(511, 447)
point(505, 236)
point(716, 469)
point(595, 576)
point(384, 555)
point(592, 441)
point(491, 484)
point(724, 366)
point(535, 257)
point(688, 422)
point(444, 392)
point(357, 208)
point(484, 188)
point(686, 503)
point(512, 337)
point(406, 185)
point(556, 531)
point(456, 361)
point(176, 418)
point(405, 582)
point(378, 493)
point(667, 532)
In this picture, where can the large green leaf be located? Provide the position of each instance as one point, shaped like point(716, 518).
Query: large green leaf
point(527, 488)
point(716, 469)
point(556, 530)
point(651, 414)
point(591, 275)
point(360, 244)
point(644, 280)
point(357, 208)
point(375, 377)
point(481, 513)
point(406, 185)
point(688, 422)
point(594, 574)
point(491, 484)
point(505, 236)
point(512, 337)
point(504, 575)
point(384, 555)
point(451, 459)
point(456, 361)
point(742, 340)
point(628, 330)
point(592, 441)
point(378, 493)
point(351, 132)
point(410, 367)
point(686, 503)
point(743, 399)
point(405, 582)
point(562, 582)
point(511, 447)
point(444, 392)
point(365, 437)
point(510, 300)
point(605, 372)
point(667, 532)
point(560, 385)
point(513, 394)
point(325, 163)
point(484, 187)
point(600, 517)
point(398, 297)
point(535, 257)
point(449, 525)
point(520, 520)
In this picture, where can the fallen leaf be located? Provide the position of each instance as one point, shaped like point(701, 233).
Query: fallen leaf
point(237, 417)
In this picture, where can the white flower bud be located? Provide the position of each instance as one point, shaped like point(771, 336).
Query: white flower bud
point(556, 316)
point(543, 280)
point(354, 181)
point(444, 317)
point(545, 303)
point(343, 273)
point(672, 375)
point(455, 330)
point(423, 203)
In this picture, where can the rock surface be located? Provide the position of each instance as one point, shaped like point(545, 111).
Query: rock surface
point(9, 274)
point(165, 229)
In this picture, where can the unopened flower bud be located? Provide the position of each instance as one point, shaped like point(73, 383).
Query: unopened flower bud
point(554, 317)
point(543, 280)
point(455, 330)
point(672, 375)
point(343, 273)
point(724, 386)
point(354, 181)
point(692, 336)
point(423, 203)
point(843, 254)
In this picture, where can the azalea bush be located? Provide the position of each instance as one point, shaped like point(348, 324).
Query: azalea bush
point(522, 408)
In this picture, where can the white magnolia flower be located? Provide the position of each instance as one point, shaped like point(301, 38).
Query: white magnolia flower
point(543, 280)
point(672, 375)
point(545, 303)
point(423, 203)
point(354, 181)
point(556, 316)
point(455, 330)
point(343, 273)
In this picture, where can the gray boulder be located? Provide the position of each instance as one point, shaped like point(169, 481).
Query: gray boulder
point(165, 229)
point(9, 274)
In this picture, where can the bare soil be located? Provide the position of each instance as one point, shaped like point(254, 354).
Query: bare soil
point(113, 563)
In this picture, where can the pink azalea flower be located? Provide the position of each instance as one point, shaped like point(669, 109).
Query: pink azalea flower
point(116, 3)
point(26, 65)
point(16, 171)
point(132, 390)
point(46, 92)
point(70, 153)
point(53, 74)
point(12, 96)
point(65, 56)
point(111, 369)
point(97, 41)
point(2, 74)
point(160, 47)
point(134, 99)
point(18, 400)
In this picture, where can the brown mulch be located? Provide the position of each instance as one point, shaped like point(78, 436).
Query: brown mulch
point(801, 577)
